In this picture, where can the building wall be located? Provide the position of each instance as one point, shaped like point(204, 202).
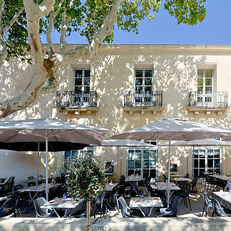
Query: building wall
point(112, 73)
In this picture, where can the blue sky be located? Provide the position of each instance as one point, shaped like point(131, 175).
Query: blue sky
point(215, 29)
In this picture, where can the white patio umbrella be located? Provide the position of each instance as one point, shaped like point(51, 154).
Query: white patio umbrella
point(124, 143)
point(49, 129)
point(174, 129)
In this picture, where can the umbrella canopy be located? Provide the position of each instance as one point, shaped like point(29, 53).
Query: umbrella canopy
point(36, 129)
point(52, 130)
point(124, 143)
point(174, 129)
point(33, 146)
point(202, 142)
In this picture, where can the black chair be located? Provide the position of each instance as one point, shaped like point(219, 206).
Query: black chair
point(99, 205)
point(185, 195)
point(208, 182)
point(147, 181)
point(22, 198)
point(194, 183)
point(207, 203)
point(8, 207)
point(31, 183)
point(165, 178)
point(172, 210)
point(7, 188)
point(217, 209)
point(186, 176)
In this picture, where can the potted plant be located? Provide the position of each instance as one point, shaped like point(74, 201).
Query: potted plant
point(85, 179)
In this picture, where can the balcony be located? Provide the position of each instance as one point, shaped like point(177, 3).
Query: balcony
point(143, 101)
point(77, 102)
point(207, 102)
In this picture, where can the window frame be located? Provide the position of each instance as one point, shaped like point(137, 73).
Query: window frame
point(84, 77)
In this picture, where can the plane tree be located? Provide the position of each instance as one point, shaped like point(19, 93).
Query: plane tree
point(94, 19)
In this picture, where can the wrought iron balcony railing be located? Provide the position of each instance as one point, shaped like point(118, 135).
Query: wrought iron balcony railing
point(71, 99)
point(143, 99)
point(212, 99)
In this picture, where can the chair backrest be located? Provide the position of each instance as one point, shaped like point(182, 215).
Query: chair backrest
point(16, 188)
point(217, 209)
point(228, 185)
point(125, 210)
point(174, 205)
point(205, 198)
point(40, 212)
point(2, 180)
point(7, 188)
point(122, 179)
point(147, 180)
point(8, 207)
point(187, 175)
point(187, 189)
point(194, 181)
point(165, 178)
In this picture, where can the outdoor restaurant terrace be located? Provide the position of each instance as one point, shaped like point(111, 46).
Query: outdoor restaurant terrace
point(145, 198)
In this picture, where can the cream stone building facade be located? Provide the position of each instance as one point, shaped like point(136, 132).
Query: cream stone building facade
point(125, 87)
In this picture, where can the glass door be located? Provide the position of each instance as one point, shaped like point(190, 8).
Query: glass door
point(143, 162)
point(206, 159)
point(143, 88)
point(204, 88)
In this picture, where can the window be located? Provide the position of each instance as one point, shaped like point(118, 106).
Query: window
point(142, 161)
point(82, 95)
point(143, 86)
point(74, 154)
point(206, 159)
point(82, 81)
point(204, 87)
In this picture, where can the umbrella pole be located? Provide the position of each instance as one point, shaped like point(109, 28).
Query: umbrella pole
point(38, 163)
point(168, 189)
point(117, 165)
point(46, 167)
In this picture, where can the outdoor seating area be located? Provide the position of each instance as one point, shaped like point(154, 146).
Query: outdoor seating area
point(132, 197)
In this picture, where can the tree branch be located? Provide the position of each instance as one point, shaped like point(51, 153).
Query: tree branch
point(65, 23)
point(1, 10)
point(34, 12)
point(52, 16)
point(27, 97)
point(107, 27)
point(37, 11)
point(9, 24)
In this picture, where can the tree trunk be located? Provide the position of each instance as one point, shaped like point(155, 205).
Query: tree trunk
point(88, 226)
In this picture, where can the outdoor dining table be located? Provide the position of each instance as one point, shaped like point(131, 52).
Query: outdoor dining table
point(59, 203)
point(37, 190)
point(222, 177)
point(163, 186)
point(40, 179)
point(110, 186)
point(133, 181)
point(182, 179)
point(146, 204)
point(177, 176)
point(226, 196)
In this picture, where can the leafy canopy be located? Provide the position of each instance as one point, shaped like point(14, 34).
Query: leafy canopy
point(87, 16)
point(85, 177)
